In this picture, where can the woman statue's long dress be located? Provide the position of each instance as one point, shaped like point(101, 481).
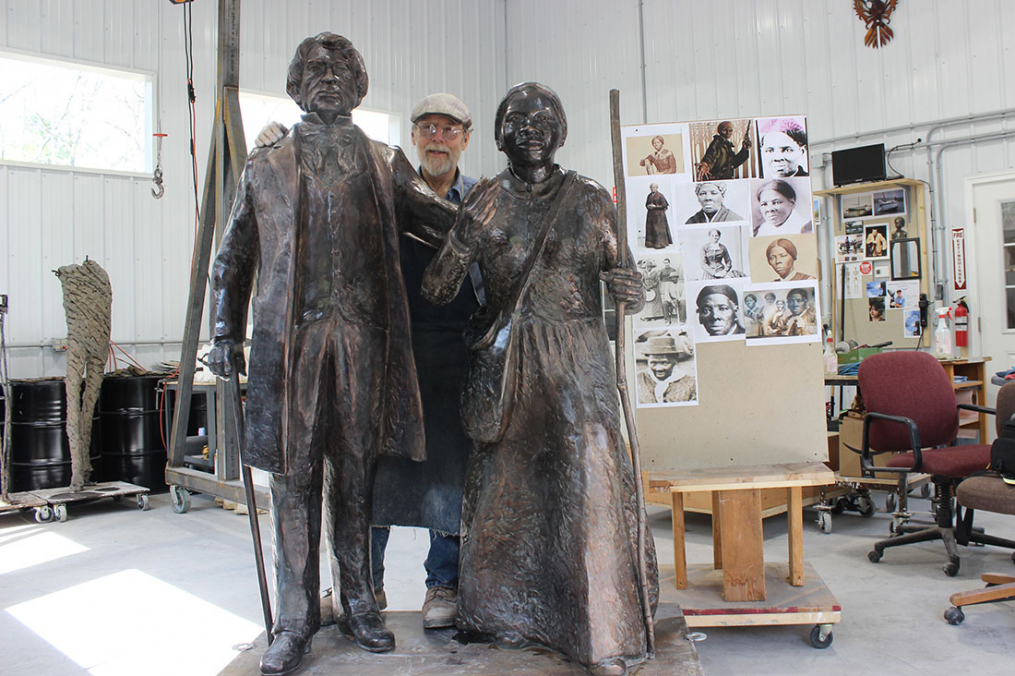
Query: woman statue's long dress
point(549, 520)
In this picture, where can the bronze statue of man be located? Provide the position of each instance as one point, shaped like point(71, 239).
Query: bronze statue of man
point(332, 382)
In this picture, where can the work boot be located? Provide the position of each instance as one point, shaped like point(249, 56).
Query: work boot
point(367, 629)
point(328, 606)
point(439, 607)
point(284, 654)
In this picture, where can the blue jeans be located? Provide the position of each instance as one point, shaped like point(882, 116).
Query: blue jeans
point(441, 562)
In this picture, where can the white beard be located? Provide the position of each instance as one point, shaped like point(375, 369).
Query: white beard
point(441, 164)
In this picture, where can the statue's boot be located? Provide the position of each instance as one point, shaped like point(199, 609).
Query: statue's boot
point(363, 623)
point(284, 654)
point(615, 666)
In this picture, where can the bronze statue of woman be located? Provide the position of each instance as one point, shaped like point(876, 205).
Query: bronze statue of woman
point(549, 520)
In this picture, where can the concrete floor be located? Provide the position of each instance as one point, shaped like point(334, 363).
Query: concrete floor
point(117, 592)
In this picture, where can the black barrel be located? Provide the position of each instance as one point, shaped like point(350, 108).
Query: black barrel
point(132, 448)
point(40, 451)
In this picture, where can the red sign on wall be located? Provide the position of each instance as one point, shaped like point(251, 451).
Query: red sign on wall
point(866, 267)
point(959, 258)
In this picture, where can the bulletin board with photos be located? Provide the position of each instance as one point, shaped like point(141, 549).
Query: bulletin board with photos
point(880, 245)
point(719, 221)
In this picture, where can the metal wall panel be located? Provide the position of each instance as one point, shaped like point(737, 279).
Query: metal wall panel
point(702, 60)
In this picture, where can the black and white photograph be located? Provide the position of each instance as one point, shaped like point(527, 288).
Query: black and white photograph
point(875, 241)
point(651, 215)
point(781, 206)
point(890, 202)
point(665, 368)
point(714, 252)
point(789, 258)
point(714, 202)
point(663, 278)
point(782, 314)
point(714, 309)
point(782, 145)
point(723, 149)
point(658, 150)
point(857, 206)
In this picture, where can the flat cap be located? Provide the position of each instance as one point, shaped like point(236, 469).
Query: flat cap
point(443, 104)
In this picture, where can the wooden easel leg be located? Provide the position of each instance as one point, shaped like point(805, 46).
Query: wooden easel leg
point(743, 545)
point(679, 553)
point(994, 593)
point(795, 512)
point(716, 532)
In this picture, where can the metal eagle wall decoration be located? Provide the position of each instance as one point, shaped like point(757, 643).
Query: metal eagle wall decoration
point(876, 14)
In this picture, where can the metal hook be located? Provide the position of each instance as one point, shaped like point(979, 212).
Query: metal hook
point(159, 190)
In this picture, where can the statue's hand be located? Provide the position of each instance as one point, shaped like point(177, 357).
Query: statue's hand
point(625, 285)
point(226, 357)
point(271, 134)
point(481, 210)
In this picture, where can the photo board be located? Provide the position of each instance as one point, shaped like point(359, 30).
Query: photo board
point(725, 357)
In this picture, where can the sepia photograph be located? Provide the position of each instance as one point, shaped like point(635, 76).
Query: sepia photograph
point(714, 252)
point(790, 258)
point(658, 151)
point(663, 278)
point(723, 149)
point(782, 314)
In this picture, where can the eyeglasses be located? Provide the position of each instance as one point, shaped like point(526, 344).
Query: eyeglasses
point(430, 130)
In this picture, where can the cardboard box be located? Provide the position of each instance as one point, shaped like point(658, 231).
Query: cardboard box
point(851, 434)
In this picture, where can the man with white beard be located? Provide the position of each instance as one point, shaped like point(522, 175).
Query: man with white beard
point(428, 494)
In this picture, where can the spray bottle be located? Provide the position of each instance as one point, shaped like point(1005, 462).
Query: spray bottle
point(943, 335)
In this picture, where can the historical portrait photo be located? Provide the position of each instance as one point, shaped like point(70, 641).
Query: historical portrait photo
point(723, 149)
point(714, 308)
point(782, 145)
point(875, 241)
point(781, 206)
point(714, 202)
point(663, 278)
point(782, 314)
point(790, 258)
point(665, 368)
point(890, 202)
point(659, 152)
point(714, 252)
point(651, 214)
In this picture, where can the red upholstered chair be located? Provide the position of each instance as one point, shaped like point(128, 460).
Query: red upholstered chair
point(911, 410)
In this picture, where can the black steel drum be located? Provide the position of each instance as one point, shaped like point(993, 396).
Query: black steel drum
point(132, 448)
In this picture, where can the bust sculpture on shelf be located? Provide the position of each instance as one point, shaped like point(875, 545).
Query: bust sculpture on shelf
point(549, 519)
point(332, 382)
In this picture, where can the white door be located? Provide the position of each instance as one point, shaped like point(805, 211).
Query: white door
point(991, 270)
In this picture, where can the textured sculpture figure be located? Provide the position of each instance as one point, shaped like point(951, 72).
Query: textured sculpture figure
point(87, 302)
point(332, 382)
point(549, 519)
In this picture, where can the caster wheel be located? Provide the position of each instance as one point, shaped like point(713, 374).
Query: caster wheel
point(865, 505)
point(44, 514)
point(825, 522)
point(873, 556)
point(142, 501)
point(118, 498)
point(951, 569)
point(890, 503)
point(179, 499)
point(819, 641)
point(60, 513)
point(925, 491)
point(954, 615)
point(839, 506)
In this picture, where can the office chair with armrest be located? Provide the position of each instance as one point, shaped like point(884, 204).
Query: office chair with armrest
point(912, 411)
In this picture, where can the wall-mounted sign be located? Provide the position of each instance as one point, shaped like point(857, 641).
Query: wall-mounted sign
point(959, 258)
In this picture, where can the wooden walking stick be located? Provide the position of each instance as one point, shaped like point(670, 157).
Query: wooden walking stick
point(625, 399)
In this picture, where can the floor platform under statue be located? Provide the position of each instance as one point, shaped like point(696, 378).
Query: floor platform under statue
point(441, 653)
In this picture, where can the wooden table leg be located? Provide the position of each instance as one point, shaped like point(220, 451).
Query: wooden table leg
point(716, 532)
point(679, 554)
point(742, 544)
point(795, 513)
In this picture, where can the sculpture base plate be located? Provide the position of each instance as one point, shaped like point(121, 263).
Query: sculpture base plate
point(438, 653)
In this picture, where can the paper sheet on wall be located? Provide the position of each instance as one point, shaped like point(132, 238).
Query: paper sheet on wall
point(854, 281)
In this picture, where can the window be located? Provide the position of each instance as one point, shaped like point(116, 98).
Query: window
point(260, 109)
point(74, 115)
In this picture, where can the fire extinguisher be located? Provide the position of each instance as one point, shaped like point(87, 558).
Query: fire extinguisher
point(961, 323)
